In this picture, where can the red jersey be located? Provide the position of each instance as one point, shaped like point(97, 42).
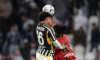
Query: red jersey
point(65, 54)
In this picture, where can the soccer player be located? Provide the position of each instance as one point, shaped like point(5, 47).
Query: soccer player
point(67, 53)
point(46, 38)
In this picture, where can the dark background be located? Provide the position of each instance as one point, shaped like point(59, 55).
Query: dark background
point(18, 20)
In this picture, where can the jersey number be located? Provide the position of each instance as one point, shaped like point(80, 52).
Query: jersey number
point(40, 38)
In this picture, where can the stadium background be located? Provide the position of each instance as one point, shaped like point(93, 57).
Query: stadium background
point(18, 20)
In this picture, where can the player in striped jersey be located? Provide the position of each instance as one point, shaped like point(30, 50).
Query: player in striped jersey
point(46, 38)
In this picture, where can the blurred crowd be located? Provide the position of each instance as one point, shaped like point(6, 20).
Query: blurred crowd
point(18, 20)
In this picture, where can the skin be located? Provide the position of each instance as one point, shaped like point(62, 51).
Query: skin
point(47, 21)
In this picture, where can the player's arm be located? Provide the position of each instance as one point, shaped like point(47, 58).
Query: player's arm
point(58, 45)
point(54, 41)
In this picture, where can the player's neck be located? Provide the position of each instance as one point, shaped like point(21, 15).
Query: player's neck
point(59, 35)
point(44, 22)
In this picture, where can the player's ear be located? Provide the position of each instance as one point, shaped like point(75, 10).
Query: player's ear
point(47, 18)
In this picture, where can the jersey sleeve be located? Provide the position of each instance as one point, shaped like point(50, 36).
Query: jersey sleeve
point(51, 34)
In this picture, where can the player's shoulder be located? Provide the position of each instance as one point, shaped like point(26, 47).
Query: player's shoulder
point(48, 27)
point(65, 36)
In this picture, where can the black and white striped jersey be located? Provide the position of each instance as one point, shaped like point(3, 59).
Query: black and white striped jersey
point(46, 36)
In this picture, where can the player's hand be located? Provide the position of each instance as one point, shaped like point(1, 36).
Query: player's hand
point(64, 46)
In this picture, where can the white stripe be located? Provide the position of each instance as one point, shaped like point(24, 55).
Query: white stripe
point(51, 32)
point(49, 54)
point(40, 50)
point(46, 52)
point(51, 39)
point(43, 51)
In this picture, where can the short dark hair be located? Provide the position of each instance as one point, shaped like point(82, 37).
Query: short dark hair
point(60, 29)
point(43, 15)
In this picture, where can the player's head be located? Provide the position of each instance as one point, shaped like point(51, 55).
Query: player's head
point(45, 18)
point(60, 30)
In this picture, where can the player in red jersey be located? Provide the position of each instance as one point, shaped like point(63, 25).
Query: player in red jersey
point(67, 53)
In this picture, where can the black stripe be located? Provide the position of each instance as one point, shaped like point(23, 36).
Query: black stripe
point(41, 51)
point(44, 52)
point(52, 32)
point(48, 53)
point(50, 29)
